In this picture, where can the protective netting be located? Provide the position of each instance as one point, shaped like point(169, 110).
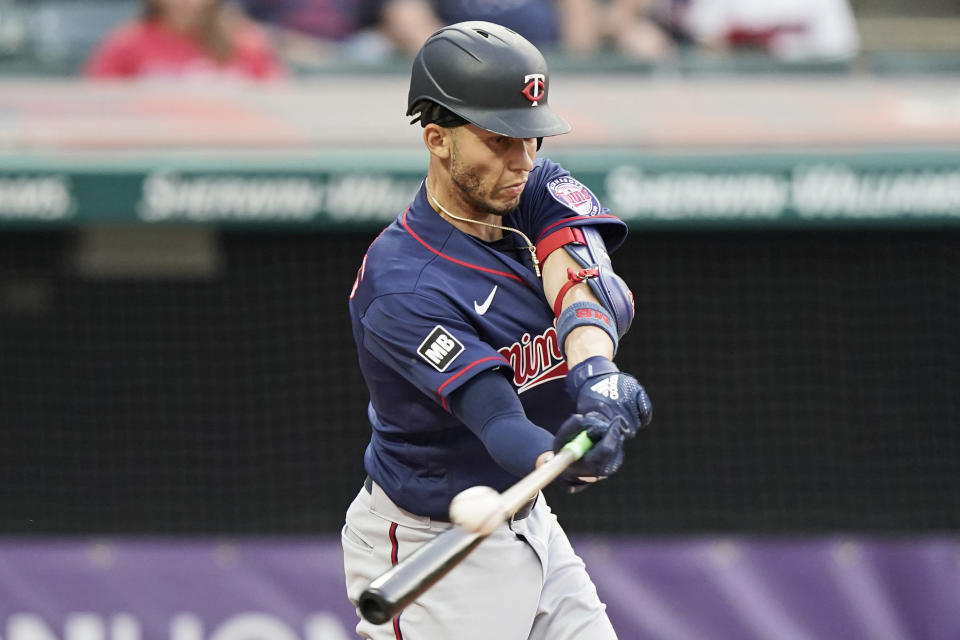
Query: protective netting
point(802, 382)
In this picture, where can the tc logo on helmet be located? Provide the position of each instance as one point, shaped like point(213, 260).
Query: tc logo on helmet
point(535, 88)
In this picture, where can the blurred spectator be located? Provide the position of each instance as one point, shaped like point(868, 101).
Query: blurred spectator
point(408, 23)
point(574, 26)
point(186, 38)
point(312, 32)
point(626, 27)
point(787, 29)
point(13, 29)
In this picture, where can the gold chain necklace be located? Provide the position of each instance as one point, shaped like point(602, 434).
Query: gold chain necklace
point(530, 247)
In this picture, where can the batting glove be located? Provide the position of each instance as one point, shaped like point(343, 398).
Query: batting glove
point(602, 459)
point(599, 386)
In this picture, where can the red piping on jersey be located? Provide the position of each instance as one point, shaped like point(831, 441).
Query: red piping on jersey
point(443, 400)
point(394, 548)
point(403, 221)
point(565, 220)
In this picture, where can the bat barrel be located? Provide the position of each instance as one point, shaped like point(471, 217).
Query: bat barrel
point(374, 607)
point(398, 587)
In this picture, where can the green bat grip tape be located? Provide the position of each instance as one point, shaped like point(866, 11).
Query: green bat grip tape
point(580, 445)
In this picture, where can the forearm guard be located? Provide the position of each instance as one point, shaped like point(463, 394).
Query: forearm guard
point(586, 247)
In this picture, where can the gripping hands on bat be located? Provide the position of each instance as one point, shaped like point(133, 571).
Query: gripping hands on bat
point(611, 406)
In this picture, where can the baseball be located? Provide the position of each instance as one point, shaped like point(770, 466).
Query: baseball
point(478, 510)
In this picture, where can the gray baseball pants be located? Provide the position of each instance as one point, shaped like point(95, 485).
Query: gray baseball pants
point(524, 582)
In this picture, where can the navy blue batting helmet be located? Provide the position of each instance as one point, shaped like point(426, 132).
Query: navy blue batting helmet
point(488, 75)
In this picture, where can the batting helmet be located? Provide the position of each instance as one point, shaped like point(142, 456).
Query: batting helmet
point(488, 75)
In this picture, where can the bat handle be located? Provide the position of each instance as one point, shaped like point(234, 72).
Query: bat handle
point(515, 497)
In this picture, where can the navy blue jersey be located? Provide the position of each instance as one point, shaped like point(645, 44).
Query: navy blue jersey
point(432, 307)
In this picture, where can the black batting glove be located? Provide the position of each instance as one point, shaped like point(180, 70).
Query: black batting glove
point(597, 385)
point(603, 459)
point(612, 406)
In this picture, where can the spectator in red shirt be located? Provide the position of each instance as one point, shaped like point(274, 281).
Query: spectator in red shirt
point(184, 38)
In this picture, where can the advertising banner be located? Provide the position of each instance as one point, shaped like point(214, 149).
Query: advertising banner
point(351, 191)
point(274, 589)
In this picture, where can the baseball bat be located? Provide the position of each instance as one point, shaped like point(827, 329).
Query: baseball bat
point(388, 594)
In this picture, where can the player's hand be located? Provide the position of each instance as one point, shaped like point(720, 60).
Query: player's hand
point(603, 459)
point(599, 386)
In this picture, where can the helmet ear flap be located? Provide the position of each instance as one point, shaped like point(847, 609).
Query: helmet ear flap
point(429, 112)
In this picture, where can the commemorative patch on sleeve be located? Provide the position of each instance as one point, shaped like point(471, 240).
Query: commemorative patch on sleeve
point(440, 348)
point(574, 195)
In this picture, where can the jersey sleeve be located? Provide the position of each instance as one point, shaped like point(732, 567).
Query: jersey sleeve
point(555, 200)
point(427, 341)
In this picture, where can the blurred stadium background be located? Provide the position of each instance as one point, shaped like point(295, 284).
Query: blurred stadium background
point(181, 416)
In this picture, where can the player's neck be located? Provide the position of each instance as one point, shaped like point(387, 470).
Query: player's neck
point(483, 229)
point(486, 226)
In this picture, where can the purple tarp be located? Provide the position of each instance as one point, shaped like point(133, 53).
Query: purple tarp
point(277, 589)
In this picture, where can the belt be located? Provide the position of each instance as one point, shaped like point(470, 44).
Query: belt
point(521, 513)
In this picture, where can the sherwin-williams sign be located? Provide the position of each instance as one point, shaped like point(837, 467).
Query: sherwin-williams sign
point(365, 192)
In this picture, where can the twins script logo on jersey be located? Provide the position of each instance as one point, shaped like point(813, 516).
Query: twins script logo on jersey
point(573, 194)
point(535, 361)
point(440, 348)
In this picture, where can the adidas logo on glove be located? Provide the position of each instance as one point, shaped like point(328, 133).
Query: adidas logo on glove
point(607, 387)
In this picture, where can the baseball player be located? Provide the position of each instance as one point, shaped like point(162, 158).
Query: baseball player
point(486, 318)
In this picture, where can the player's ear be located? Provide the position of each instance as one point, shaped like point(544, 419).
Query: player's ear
point(437, 139)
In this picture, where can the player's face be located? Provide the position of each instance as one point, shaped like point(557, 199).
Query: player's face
point(489, 170)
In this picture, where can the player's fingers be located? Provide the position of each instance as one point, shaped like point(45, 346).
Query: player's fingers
point(644, 406)
point(606, 455)
point(570, 428)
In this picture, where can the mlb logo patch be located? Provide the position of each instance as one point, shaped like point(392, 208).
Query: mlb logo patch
point(440, 348)
point(574, 195)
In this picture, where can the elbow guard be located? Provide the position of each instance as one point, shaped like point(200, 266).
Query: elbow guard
point(586, 246)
